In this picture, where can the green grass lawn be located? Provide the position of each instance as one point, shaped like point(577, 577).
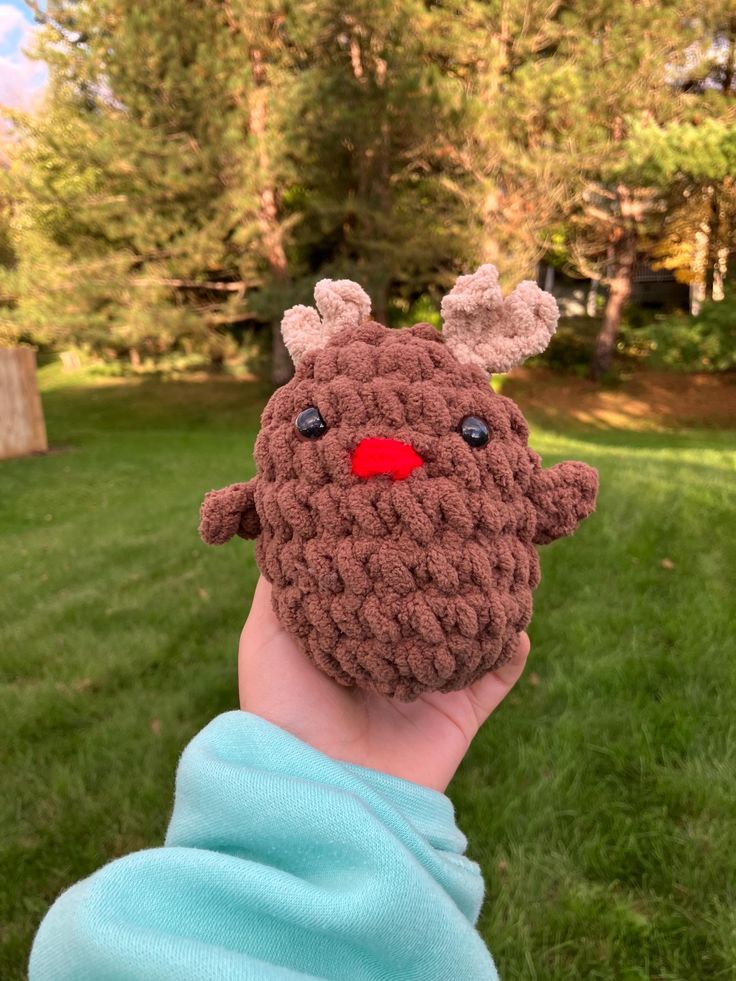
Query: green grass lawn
point(600, 800)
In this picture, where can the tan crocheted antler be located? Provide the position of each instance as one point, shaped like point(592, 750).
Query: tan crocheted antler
point(483, 328)
point(341, 304)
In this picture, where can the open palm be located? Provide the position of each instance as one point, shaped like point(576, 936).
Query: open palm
point(423, 741)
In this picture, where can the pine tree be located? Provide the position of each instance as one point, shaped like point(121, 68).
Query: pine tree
point(601, 68)
point(693, 163)
point(138, 214)
point(260, 43)
point(693, 158)
point(200, 164)
point(376, 111)
point(626, 82)
point(521, 173)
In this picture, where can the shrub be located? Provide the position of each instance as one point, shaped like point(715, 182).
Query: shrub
point(706, 342)
point(571, 347)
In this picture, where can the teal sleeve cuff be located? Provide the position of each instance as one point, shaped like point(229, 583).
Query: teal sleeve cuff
point(279, 862)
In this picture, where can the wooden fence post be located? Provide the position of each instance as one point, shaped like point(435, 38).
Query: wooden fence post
point(22, 428)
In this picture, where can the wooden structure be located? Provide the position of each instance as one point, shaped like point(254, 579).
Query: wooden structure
point(22, 427)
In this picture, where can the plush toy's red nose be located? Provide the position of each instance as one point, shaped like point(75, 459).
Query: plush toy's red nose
point(387, 457)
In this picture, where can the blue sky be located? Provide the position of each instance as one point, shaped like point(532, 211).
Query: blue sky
point(21, 80)
point(11, 40)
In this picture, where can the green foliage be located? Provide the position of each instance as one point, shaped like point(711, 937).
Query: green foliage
point(703, 343)
point(132, 196)
point(689, 161)
point(598, 800)
point(422, 310)
point(373, 100)
point(628, 99)
point(197, 165)
point(9, 331)
point(706, 342)
point(697, 152)
point(572, 345)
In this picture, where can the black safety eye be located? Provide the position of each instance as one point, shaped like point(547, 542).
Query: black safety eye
point(310, 423)
point(474, 431)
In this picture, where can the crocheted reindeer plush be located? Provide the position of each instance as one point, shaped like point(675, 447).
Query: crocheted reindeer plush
point(396, 504)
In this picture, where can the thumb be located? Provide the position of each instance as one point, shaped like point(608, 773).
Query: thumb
point(488, 692)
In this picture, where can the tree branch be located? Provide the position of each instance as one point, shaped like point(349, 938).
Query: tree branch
point(195, 284)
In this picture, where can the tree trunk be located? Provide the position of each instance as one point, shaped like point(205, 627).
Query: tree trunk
point(382, 276)
point(619, 292)
point(281, 365)
point(731, 59)
point(273, 243)
point(379, 313)
point(591, 299)
point(713, 251)
point(268, 213)
point(22, 428)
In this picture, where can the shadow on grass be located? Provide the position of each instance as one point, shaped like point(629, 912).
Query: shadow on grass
point(642, 401)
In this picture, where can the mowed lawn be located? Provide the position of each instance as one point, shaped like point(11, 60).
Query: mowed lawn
point(600, 799)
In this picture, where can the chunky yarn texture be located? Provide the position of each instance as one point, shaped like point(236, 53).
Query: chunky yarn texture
point(410, 581)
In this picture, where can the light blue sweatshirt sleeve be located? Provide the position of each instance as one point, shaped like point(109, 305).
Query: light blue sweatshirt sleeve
point(279, 862)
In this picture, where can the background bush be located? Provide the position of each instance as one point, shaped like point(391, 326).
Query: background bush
point(706, 342)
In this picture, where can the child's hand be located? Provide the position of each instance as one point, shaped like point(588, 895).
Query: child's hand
point(423, 741)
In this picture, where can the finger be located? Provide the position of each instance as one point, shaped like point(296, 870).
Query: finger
point(488, 692)
point(510, 673)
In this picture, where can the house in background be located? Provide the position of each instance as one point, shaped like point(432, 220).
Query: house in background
point(654, 288)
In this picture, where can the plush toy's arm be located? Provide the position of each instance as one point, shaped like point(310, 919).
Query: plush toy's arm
point(562, 497)
point(227, 512)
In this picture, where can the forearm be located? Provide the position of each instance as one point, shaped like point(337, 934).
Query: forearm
point(279, 862)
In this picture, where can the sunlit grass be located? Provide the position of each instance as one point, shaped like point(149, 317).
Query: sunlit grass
point(599, 800)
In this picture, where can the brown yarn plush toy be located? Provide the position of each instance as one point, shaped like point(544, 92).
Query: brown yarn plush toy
point(396, 504)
